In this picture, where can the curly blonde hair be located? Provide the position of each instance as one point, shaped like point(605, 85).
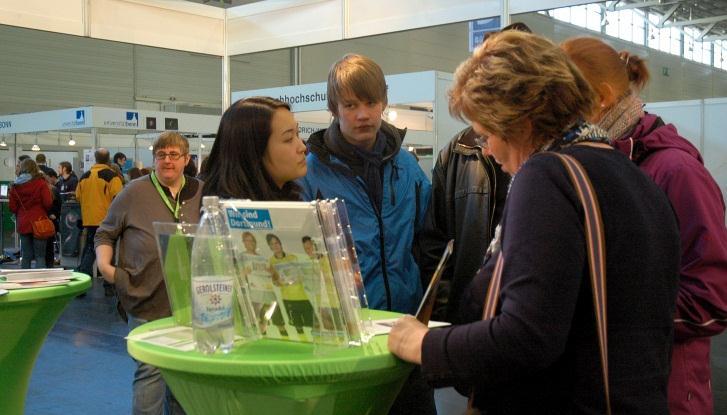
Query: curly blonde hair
point(516, 77)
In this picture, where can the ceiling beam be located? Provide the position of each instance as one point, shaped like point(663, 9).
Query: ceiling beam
point(713, 19)
point(705, 31)
point(714, 37)
point(641, 5)
point(667, 15)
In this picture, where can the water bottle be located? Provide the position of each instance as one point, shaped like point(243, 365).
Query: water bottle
point(213, 281)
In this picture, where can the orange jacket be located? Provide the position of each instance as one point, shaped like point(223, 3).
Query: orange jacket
point(95, 191)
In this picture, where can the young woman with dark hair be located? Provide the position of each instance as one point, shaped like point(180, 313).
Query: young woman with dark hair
point(257, 153)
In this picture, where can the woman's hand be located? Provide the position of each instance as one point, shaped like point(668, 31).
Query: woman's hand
point(405, 339)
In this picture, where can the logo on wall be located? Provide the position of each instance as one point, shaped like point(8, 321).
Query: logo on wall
point(79, 121)
point(132, 119)
point(6, 124)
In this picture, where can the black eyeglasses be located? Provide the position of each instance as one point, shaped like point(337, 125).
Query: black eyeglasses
point(172, 156)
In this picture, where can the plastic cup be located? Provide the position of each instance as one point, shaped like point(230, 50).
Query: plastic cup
point(174, 242)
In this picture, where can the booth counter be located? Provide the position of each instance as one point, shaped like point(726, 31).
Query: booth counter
point(279, 377)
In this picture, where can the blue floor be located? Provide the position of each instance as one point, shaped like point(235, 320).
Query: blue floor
point(83, 367)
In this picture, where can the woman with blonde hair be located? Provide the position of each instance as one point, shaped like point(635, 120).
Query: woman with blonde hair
point(678, 169)
point(537, 349)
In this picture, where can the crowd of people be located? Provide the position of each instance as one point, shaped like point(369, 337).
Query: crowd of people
point(562, 299)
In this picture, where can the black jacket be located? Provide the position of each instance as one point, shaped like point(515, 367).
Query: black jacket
point(67, 185)
point(468, 195)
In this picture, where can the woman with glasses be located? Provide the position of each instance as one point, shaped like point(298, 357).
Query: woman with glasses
point(537, 347)
point(165, 195)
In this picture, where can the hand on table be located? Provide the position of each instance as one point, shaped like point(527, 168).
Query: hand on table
point(405, 339)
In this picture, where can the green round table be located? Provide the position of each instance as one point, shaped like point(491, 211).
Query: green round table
point(26, 317)
point(279, 377)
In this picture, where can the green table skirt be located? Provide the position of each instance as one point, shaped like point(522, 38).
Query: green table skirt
point(279, 377)
point(26, 317)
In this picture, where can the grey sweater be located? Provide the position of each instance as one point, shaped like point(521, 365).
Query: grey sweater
point(139, 279)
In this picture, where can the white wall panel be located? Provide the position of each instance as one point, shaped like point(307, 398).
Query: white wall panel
point(62, 16)
point(715, 140)
point(274, 25)
point(173, 25)
point(369, 17)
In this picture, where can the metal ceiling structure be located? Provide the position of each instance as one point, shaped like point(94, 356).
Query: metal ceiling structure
point(708, 16)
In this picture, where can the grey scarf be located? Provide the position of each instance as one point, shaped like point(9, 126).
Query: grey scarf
point(623, 116)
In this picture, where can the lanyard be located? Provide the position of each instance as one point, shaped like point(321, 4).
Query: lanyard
point(165, 199)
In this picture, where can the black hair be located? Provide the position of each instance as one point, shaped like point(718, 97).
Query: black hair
point(118, 156)
point(235, 168)
point(191, 168)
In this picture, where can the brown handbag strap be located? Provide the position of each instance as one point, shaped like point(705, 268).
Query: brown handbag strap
point(19, 199)
point(596, 260)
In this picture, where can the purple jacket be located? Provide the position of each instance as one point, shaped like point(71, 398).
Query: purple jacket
point(677, 168)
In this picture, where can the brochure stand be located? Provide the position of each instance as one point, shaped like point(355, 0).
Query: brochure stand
point(301, 269)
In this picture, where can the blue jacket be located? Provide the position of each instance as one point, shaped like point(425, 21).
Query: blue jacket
point(383, 239)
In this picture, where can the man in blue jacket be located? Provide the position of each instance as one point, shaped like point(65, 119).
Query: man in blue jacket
point(359, 159)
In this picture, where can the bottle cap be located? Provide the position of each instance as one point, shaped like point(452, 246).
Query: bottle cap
point(210, 201)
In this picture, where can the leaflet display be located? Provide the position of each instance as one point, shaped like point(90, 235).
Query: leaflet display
point(301, 285)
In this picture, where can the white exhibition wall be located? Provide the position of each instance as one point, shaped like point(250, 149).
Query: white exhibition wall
point(704, 124)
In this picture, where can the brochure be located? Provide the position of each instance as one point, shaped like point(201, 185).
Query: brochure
point(287, 269)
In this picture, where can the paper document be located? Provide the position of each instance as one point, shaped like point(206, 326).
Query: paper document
point(384, 326)
point(176, 337)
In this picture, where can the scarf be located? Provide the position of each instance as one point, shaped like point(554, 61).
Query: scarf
point(365, 164)
point(23, 178)
point(622, 116)
point(579, 132)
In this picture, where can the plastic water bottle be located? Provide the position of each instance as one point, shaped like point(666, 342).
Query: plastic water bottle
point(213, 281)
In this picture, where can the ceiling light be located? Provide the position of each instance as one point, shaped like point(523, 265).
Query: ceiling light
point(392, 115)
point(151, 148)
point(71, 142)
point(3, 143)
point(202, 145)
point(35, 147)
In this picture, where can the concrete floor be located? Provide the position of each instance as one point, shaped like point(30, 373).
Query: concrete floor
point(83, 367)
